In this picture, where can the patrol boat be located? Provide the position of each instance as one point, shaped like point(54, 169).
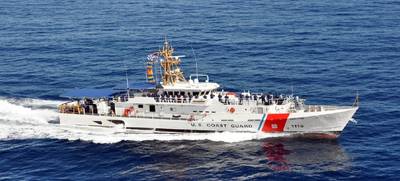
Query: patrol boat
point(168, 102)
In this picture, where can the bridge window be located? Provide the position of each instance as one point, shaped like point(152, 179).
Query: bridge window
point(152, 108)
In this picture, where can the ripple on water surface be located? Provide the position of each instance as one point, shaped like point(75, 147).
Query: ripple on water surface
point(326, 50)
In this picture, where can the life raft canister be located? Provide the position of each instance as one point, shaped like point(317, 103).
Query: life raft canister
point(127, 111)
point(231, 110)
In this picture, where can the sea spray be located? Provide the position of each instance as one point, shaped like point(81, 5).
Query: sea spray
point(18, 111)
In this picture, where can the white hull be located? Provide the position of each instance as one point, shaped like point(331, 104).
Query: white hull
point(333, 121)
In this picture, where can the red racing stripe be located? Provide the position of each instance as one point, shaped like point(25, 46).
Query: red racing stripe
point(275, 122)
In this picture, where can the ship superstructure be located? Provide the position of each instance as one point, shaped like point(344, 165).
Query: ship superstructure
point(168, 102)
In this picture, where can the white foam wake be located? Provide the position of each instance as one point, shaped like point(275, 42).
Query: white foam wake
point(27, 111)
point(28, 119)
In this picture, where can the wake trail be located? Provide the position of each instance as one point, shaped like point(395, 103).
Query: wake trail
point(29, 119)
point(28, 111)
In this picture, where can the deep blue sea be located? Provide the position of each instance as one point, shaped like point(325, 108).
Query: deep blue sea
point(326, 50)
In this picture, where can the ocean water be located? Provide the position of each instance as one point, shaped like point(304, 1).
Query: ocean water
point(326, 50)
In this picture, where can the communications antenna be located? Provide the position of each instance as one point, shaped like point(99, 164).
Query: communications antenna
point(195, 59)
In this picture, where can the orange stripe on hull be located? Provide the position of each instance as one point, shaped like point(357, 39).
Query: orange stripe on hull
point(275, 122)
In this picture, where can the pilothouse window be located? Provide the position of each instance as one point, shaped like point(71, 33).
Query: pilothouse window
point(152, 108)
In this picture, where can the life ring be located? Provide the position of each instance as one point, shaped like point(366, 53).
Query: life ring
point(231, 110)
point(128, 111)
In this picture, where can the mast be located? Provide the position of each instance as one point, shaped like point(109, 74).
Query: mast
point(171, 70)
